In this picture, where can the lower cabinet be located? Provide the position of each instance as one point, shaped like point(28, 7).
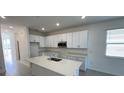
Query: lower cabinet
point(41, 71)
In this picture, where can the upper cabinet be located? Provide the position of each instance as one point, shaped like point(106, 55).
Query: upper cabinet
point(80, 39)
point(69, 40)
point(38, 39)
point(55, 41)
point(77, 39)
point(83, 39)
point(63, 37)
point(42, 41)
point(34, 38)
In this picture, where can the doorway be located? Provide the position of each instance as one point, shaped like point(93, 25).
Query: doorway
point(8, 43)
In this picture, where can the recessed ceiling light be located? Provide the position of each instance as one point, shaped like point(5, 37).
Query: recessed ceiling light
point(3, 17)
point(83, 17)
point(10, 26)
point(57, 24)
point(43, 28)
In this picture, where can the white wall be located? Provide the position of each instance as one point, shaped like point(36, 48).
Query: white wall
point(96, 46)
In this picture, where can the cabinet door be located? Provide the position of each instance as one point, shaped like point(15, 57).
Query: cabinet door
point(47, 41)
point(69, 40)
point(32, 38)
point(50, 41)
point(42, 41)
point(63, 37)
point(55, 41)
point(59, 39)
point(76, 43)
point(37, 38)
point(83, 39)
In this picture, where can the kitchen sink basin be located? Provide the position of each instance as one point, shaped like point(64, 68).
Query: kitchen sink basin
point(55, 59)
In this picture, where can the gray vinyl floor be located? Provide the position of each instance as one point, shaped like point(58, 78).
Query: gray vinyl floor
point(93, 73)
point(19, 69)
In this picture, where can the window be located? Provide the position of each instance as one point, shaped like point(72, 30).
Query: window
point(115, 43)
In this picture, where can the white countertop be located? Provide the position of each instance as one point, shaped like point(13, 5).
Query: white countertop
point(64, 67)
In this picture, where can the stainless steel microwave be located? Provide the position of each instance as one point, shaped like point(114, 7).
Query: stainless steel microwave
point(62, 44)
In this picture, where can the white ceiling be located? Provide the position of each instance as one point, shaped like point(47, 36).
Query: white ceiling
point(49, 22)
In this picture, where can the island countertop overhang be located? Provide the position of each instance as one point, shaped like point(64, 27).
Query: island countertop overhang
point(64, 67)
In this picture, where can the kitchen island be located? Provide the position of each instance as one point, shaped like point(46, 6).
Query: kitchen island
point(42, 66)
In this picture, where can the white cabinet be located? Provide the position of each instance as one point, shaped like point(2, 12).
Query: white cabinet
point(34, 38)
point(31, 37)
point(38, 39)
point(55, 41)
point(76, 38)
point(80, 39)
point(69, 40)
point(50, 41)
point(47, 41)
point(63, 37)
point(83, 39)
point(42, 41)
